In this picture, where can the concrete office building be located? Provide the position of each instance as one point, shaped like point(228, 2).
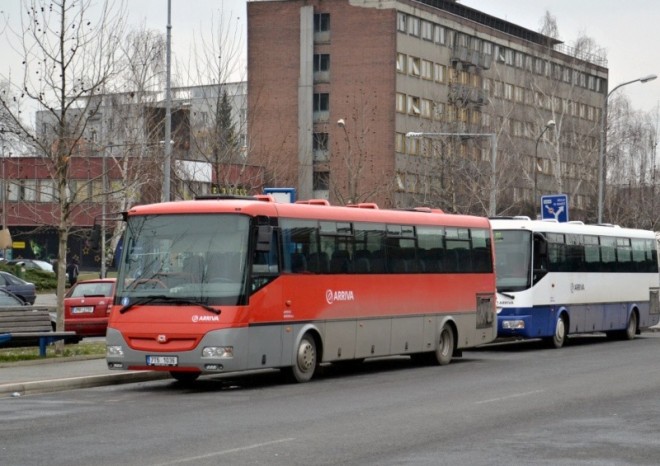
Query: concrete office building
point(334, 87)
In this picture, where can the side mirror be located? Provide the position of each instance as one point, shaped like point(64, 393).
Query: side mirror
point(264, 237)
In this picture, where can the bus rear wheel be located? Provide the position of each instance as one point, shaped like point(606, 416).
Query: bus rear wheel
point(445, 349)
point(631, 329)
point(629, 332)
point(305, 361)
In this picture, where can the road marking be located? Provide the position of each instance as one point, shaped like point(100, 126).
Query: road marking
point(226, 452)
point(508, 397)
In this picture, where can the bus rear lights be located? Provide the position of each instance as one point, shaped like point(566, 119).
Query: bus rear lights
point(513, 324)
point(114, 351)
point(225, 352)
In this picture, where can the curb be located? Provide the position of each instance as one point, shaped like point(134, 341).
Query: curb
point(54, 385)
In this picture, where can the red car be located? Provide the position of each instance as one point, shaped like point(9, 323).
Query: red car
point(87, 305)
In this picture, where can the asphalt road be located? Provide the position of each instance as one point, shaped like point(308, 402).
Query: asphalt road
point(593, 402)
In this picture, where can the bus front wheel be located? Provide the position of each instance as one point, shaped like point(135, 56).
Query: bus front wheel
point(305, 361)
point(559, 337)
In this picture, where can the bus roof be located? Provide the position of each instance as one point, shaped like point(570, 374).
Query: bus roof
point(316, 210)
point(577, 228)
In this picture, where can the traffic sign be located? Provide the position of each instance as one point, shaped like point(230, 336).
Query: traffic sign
point(286, 195)
point(555, 207)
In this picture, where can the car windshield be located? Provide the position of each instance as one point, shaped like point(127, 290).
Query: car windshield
point(91, 289)
point(197, 257)
point(513, 259)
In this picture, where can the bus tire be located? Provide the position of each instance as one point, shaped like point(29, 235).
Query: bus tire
point(305, 361)
point(631, 328)
point(559, 337)
point(445, 349)
point(184, 377)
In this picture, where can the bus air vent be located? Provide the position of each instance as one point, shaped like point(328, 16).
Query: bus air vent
point(314, 202)
point(364, 205)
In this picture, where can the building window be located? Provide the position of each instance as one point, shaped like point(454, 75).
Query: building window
point(439, 35)
point(401, 22)
point(320, 141)
point(427, 30)
point(46, 191)
point(413, 105)
point(426, 108)
point(322, 22)
point(401, 62)
point(321, 62)
point(400, 102)
point(427, 70)
point(321, 67)
point(400, 142)
point(413, 26)
point(321, 181)
point(438, 110)
point(439, 72)
point(321, 102)
point(414, 66)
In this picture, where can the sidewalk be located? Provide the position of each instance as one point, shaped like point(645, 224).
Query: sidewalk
point(49, 375)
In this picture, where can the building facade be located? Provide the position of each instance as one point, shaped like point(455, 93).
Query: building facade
point(118, 162)
point(336, 86)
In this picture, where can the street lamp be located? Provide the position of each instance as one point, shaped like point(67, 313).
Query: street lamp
point(603, 131)
point(548, 125)
point(492, 205)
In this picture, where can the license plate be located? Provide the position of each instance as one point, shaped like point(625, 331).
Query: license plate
point(162, 360)
point(82, 310)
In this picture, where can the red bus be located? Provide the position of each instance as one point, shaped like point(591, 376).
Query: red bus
point(217, 285)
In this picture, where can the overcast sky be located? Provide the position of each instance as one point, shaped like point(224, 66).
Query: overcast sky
point(627, 30)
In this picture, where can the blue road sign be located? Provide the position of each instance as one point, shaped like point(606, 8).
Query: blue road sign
point(555, 207)
point(286, 195)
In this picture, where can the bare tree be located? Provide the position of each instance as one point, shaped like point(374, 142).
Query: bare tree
point(68, 51)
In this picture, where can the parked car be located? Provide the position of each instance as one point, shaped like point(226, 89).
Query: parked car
point(9, 299)
point(33, 264)
point(24, 290)
point(87, 305)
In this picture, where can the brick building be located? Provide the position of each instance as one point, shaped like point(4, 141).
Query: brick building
point(335, 86)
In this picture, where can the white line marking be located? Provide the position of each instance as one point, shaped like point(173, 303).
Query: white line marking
point(508, 397)
point(226, 452)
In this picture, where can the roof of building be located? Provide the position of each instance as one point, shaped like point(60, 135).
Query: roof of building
point(491, 21)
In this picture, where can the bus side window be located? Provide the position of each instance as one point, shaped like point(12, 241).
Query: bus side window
point(540, 258)
point(265, 262)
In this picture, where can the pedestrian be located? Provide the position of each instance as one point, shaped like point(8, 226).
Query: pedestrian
point(72, 272)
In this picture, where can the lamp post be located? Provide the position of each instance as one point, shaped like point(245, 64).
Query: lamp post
point(548, 125)
point(165, 196)
point(492, 204)
point(603, 131)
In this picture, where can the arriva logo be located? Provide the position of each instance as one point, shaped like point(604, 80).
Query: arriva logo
point(205, 319)
point(343, 295)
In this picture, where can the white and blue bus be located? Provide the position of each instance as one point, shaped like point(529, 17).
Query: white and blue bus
point(556, 279)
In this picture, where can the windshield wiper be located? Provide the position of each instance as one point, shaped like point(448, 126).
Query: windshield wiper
point(507, 295)
point(139, 302)
point(192, 301)
point(168, 299)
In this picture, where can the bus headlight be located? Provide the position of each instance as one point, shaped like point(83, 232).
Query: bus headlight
point(114, 351)
point(513, 324)
point(225, 352)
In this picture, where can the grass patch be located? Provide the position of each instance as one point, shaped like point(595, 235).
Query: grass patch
point(28, 353)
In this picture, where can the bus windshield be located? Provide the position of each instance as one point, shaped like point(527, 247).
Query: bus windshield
point(513, 259)
point(199, 258)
